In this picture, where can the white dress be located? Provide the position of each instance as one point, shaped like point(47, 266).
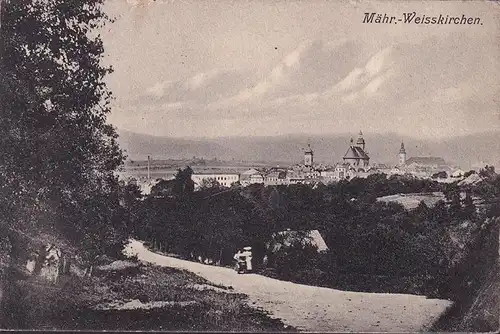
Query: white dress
point(248, 258)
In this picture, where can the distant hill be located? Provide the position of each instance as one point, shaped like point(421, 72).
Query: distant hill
point(382, 148)
point(139, 146)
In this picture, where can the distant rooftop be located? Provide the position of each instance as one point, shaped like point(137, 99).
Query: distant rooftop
point(426, 161)
point(216, 172)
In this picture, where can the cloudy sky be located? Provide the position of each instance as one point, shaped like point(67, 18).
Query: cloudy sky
point(243, 67)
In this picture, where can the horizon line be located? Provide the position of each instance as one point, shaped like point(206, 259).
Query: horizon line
point(305, 134)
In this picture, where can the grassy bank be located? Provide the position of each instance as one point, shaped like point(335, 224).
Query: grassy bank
point(122, 300)
point(476, 286)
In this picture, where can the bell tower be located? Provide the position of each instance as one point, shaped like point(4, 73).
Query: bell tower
point(361, 141)
point(308, 156)
point(402, 154)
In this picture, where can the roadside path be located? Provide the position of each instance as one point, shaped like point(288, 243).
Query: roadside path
point(310, 308)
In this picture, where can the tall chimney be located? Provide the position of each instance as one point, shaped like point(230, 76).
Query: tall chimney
point(149, 175)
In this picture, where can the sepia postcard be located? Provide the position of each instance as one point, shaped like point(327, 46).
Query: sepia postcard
point(250, 165)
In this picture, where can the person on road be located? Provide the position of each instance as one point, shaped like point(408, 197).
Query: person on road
point(247, 253)
point(239, 257)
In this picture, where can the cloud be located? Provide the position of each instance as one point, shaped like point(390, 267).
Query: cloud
point(202, 87)
point(306, 71)
point(173, 106)
point(349, 97)
point(337, 85)
point(158, 90)
point(203, 79)
point(466, 90)
point(350, 81)
point(378, 62)
point(279, 76)
point(373, 86)
point(368, 78)
point(298, 98)
point(295, 56)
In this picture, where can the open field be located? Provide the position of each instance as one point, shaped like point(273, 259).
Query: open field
point(411, 201)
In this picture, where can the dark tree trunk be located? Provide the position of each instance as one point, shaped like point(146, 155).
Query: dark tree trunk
point(12, 310)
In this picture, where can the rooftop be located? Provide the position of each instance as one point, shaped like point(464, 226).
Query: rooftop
point(216, 172)
point(426, 161)
point(356, 152)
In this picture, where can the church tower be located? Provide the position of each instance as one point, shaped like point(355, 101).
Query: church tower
point(361, 142)
point(308, 156)
point(402, 154)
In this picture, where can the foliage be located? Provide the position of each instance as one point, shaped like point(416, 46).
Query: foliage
point(440, 175)
point(163, 188)
point(57, 148)
point(210, 184)
point(57, 155)
point(487, 172)
point(366, 237)
point(378, 185)
point(181, 186)
point(184, 185)
point(295, 258)
point(469, 173)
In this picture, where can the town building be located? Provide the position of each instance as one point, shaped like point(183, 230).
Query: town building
point(275, 177)
point(328, 175)
point(423, 166)
point(312, 173)
point(225, 179)
point(433, 162)
point(295, 180)
point(256, 178)
point(342, 171)
point(246, 176)
point(381, 168)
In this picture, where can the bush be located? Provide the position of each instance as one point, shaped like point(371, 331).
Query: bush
point(469, 173)
point(297, 257)
point(315, 277)
point(440, 175)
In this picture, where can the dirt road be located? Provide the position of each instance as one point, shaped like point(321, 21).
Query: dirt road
point(311, 308)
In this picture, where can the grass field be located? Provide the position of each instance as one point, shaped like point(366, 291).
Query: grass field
point(411, 201)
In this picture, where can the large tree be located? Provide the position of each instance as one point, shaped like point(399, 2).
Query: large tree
point(57, 153)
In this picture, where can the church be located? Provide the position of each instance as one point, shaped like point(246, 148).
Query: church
point(356, 155)
point(420, 164)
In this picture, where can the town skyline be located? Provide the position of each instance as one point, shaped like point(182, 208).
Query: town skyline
point(383, 148)
point(232, 69)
